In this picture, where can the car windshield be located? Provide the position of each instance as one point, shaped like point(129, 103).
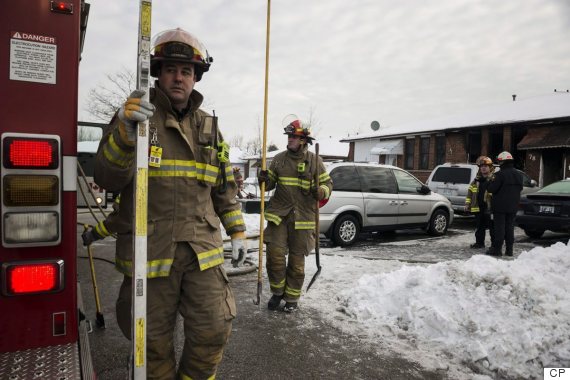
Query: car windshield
point(561, 187)
point(453, 175)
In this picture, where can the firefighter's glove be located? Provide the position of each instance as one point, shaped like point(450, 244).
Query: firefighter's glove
point(239, 249)
point(318, 193)
point(89, 236)
point(263, 177)
point(133, 111)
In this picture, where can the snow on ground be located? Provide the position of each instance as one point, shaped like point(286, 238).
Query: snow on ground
point(490, 315)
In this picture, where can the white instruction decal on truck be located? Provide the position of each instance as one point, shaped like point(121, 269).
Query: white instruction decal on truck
point(33, 58)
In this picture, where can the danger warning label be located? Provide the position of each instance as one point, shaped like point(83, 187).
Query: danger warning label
point(33, 58)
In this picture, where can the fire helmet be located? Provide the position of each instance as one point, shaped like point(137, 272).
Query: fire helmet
point(504, 156)
point(181, 46)
point(484, 160)
point(296, 128)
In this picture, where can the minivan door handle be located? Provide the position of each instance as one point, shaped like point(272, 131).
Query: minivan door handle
point(393, 203)
point(403, 203)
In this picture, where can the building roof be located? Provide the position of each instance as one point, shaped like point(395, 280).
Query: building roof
point(541, 138)
point(548, 107)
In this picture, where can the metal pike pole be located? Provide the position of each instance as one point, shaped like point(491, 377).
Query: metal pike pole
point(263, 159)
point(100, 319)
point(317, 242)
point(139, 275)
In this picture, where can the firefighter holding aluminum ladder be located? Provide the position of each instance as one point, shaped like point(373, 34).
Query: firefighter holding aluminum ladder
point(190, 191)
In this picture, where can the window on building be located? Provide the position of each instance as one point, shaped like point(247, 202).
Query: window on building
point(440, 150)
point(424, 153)
point(409, 162)
point(473, 145)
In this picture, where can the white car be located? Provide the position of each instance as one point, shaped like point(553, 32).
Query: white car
point(452, 181)
point(374, 197)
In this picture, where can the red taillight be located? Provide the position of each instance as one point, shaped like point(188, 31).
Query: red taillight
point(27, 153)
point(323, 202)
point(26, 278)
point(30, 190)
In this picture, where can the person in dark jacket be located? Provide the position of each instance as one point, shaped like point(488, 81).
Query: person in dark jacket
point(478, 201)
point(506, 189)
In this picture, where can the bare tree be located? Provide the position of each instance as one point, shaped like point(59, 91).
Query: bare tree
point(106, 98)
point(312, 122)
point(236, 141)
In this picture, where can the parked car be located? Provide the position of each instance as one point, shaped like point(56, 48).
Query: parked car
point(452, 181)
point(374, 197)
point(546, 209)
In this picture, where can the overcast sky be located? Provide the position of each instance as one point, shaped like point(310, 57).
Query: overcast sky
point(348, 63)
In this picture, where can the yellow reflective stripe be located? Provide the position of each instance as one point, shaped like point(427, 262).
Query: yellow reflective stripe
point(273, 218)
point(101, 229)
point(279, 285)
point(293, 181)
point(475, 209)
point(304, 225)
point(232, 219)
point(184, 168)
point(116, 155)
point(468, 201)
point(293, 292)
point(229, 175)
point(206, 172)
point(324, 177)
point(326, 190)
point(154, 268)
point(272, 175)
point(211, 258)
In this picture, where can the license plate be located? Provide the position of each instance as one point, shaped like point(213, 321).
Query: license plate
point(446, 192)
point(546, 209)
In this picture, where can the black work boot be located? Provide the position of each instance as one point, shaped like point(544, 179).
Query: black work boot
point(508, 251)
point(290, 307)
point(274, 301)
point(477, 245)
point(492, 251)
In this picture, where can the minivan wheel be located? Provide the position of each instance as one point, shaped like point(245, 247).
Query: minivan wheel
point(345, 230)
point(438, 223)
point(535, 234)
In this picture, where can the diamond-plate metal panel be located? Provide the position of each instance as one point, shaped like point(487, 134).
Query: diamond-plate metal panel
point(54, 362)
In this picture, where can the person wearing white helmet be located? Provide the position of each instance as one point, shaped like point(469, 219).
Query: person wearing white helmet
point(506, 188)
point(189, 194)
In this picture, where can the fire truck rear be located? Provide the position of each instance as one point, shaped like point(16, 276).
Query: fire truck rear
point(42, 333)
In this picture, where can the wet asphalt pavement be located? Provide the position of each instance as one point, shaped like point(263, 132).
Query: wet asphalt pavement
point(272, 344)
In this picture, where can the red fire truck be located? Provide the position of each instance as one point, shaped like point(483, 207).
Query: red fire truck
point(42, 333)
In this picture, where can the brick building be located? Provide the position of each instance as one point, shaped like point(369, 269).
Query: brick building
point(535, 130)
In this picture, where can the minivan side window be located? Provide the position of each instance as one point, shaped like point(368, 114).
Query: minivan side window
point(377, 180)
point(452, 175)
point(345, 178)
point(406, 182)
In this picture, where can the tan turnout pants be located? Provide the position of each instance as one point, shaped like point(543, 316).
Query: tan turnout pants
point(205, 301)
point(286, 276)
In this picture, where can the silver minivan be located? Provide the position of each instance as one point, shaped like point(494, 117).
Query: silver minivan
point(374, 197)
point(452, 181)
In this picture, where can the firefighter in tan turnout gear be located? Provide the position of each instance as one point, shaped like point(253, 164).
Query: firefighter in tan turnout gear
point(291, 214)
point(188, 195)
